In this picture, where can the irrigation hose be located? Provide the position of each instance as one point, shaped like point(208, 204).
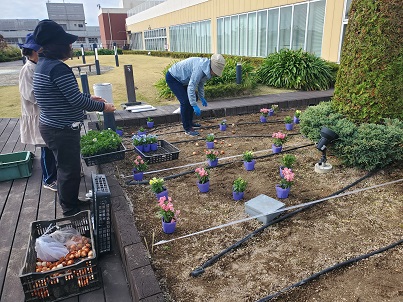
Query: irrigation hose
point(199, 270)
point(331, 268)
point(228, 136)
point(132, 182)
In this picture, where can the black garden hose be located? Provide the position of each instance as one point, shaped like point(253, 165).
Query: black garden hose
point(199, 270)
point(329, 269)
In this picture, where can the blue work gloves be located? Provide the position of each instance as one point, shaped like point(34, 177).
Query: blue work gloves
point(204, 102)
point(196, 109)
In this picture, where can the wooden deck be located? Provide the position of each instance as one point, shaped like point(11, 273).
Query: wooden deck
point(23, 201)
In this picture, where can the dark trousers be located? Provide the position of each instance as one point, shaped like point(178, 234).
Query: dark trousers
point(181, 93)
point(65, 145)
point(48, 164)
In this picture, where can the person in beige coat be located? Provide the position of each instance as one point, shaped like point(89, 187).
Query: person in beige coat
point(29, 122)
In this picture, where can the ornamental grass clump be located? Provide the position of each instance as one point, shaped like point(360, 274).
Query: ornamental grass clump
point(202, 175)
point(166, 210)
point(157, 185)
point(239, 185)
point(288, 179)
point(212, 155)
point(100, 142)
point(279, 138)
point(139, 164)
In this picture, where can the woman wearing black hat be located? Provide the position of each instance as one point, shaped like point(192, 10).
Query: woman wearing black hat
point(29, 122)
point(62, 104)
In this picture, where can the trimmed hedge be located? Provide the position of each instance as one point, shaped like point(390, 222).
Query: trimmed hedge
point(10, 53)
point(369, 84)
point(366, 146)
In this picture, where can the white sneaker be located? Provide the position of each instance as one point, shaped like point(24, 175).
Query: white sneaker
point(89, 194)
point(177, 110)
point(52, 186)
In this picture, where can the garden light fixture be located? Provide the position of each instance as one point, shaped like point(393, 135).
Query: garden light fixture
point(327, 137)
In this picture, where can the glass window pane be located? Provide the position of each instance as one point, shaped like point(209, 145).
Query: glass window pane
point(272, 31)
point(262, 33)
point(315, 27)
point(298, 26)
point(234, 35)
point(227, 35)
point(285, 27)
point(243, 34)
point(348, 6)
point(252, 35)
point(220, 35)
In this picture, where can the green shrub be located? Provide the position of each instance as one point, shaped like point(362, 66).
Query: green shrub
point(101, 52)
point(295, 70)
point(10, 53)
point(369, 84)
point(367, 146)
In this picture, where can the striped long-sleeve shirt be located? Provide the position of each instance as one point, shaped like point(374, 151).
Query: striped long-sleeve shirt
point(58, 96)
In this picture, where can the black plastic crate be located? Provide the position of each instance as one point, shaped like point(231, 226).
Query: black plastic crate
point(59, 284)
point(165, 152)
point(101, 209)
point(106, 157)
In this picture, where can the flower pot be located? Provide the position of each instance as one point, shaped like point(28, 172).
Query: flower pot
point(140, 147)
point(213, 163)
point(282, 193)
point(141, 133)
point(289, 126)
point(154, 146)
point(168, 227)
point(281, 171)
point(249, 165)
point(119, 132)
point(150, 124)
point(146, 148)
point(276, 149)
point(161, 194)
point(210, 145)
point(223, 127)
point(138, 176)
point(271, 112)
point(296, 120)
point(203, 188)
point(263, 119)
point(238, 195)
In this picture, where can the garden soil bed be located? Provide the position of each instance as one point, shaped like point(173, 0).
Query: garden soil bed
point(284, 253)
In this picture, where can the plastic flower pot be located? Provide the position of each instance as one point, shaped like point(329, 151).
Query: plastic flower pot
point(146, 148)
point(210, 145)
point(204, 188)
point(119, 132)
point(213, 163)
point(168, 227)
point(150, 124)
point(263, 119)
point(154, 146)
point(161, 194)
point(282, 193)
point(296, 120)
point(249, 165)
point(289, 126)
point(237, 195)
point(140, 147)
point(138, 176)
point(223, 127)
point(271, 112)
point(141, 133)
point(276, 149)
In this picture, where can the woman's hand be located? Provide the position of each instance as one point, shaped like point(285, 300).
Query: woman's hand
point(97, 99)
point(109, 107)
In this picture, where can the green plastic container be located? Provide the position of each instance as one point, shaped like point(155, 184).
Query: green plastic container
point(15, 165)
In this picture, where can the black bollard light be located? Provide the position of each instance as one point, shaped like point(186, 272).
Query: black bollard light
point(115, 49)
point(130, 88)
point(84, 82)
point(238, 73)
point(83, 53)
point(96, 59)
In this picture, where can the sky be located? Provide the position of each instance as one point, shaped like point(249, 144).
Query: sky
point(36, 9)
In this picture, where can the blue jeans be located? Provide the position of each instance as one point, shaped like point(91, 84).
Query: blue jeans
point(65, 145)
point(181, 93)
point(48, 164)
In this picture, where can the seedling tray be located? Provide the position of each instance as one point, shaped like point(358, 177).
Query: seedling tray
point(165, 152)
point(15, 165)
point(59, 284)
point(105, 157)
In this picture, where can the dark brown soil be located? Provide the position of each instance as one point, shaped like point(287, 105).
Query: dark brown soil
point(284, 253)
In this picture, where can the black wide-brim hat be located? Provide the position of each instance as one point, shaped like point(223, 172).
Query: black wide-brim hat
point(49, 32)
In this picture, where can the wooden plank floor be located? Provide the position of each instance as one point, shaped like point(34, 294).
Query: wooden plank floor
point(23, 201)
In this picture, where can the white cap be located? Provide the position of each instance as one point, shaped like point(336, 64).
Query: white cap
point(217, 64)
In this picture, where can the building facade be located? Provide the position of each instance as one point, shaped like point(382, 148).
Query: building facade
point(247, 28)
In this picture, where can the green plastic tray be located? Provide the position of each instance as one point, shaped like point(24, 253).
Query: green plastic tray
point(15, 165)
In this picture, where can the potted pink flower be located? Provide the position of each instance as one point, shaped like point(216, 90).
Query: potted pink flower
point(212, 157)
point(203, 182)
point(168, 214)
point(279, 139)
point(283, 189)
point(264, 112)
point(139, 166)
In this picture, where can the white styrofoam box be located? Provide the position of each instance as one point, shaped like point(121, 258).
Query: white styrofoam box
point(263, 204)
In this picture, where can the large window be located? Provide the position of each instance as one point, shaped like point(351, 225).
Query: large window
point(347, 6)
point(155, 39)
point(296, 26)
point(137, 41)
point(193, 37)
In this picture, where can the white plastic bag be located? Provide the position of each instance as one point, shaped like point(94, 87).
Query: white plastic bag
point(49, 249)
point(65, 235)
